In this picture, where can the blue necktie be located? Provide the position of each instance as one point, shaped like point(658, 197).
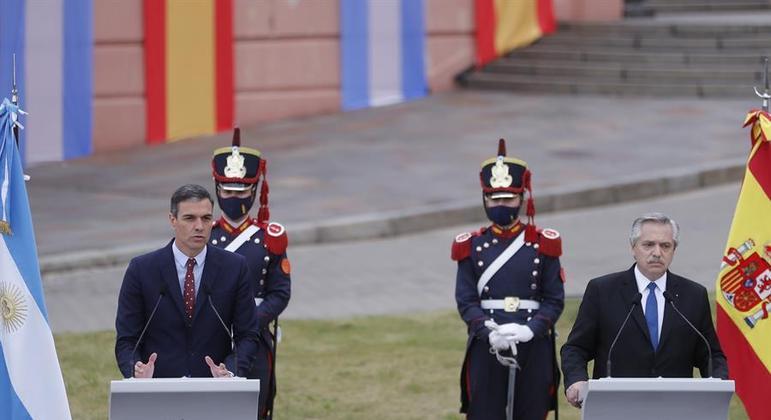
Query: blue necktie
point(652, 315)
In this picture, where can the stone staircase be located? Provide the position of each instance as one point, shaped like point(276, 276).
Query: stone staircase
point(645, 56)
point(657, 7)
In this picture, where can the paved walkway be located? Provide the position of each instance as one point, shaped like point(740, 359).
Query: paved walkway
point(395, 170)
point(413, 273)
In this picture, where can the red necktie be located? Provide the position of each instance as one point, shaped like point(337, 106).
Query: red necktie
point(189, 293)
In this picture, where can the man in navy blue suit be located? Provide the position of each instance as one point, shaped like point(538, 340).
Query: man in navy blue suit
point(178, 294)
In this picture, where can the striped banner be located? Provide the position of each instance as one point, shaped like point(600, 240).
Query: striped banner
point(503, 25)
point(383, 47)
point(744, 283)
point(188, 68)
point(53, 43)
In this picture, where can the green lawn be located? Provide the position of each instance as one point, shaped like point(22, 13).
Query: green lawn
point(388, 367)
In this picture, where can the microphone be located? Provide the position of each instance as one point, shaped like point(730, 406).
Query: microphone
point(161, 294)
point(671, 301)
point(207, 290)
point(634, 303)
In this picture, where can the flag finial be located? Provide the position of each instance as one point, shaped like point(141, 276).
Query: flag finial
point(765, 96)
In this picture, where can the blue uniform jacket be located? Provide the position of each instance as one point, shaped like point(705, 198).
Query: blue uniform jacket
point(532, 273)
point(528, 274)
point(269, 272)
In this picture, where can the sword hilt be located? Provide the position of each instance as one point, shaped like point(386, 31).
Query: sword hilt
point(509, 361)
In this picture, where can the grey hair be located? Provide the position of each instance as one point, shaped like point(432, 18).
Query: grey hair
point(188, 192)
point(655, 217)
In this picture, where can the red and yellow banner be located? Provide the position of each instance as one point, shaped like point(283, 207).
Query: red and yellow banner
point(188, 67)
point(503, 25)
point(744, 283)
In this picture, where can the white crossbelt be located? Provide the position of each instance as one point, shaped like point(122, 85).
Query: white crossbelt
point(498, 262)
point(243, 237)
point(512, 303)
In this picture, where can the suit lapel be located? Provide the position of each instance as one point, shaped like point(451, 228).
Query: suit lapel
point(210, 269)
point(629, 292)
point(169, 275)
point(673, 288)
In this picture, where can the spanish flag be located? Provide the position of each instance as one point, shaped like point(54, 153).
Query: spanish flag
point(503, 25)
point(744, 283)
point(188, 67)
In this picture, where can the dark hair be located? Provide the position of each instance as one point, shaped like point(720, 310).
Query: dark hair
point(188, 192)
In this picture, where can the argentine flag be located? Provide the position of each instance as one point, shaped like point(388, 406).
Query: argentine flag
point(53, 43)
point(382, 52)
point(31, 384)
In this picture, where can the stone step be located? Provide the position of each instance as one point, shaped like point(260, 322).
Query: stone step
point(709, 3)
point(649, 27)
point(692, 55)
point(514, 61)
point(618, 72)
point(675, 6)
point(628, 56)
point(659, 42)
point(565, 85)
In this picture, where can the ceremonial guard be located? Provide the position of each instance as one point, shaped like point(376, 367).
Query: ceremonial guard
point(509, 291)
point(237, 172)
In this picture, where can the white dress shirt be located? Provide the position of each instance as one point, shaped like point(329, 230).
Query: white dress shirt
point(180, 261)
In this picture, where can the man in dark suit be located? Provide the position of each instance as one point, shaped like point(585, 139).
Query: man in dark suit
point(656, 341)
point(174, 292)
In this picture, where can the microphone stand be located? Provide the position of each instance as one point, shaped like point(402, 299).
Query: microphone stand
point(618, 334)
point(162, 293)
point(228, 330)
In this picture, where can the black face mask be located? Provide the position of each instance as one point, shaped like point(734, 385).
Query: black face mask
point(502, 215)
point(234, 207)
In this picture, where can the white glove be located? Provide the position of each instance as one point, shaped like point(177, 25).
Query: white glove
point(497, 341)
point(523, 334)
point(516, 332)
point(511, 328)
point(491, 325)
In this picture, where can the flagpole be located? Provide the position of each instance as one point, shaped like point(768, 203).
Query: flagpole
point(15, 100)
point(765, 96)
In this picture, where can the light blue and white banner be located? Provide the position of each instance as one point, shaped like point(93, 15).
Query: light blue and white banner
point(382, 52)
point(31, 384)
point(53, 43)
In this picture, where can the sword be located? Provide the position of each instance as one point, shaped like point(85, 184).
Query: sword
point(510, 397)
point(512, 364)
point(765, 95)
